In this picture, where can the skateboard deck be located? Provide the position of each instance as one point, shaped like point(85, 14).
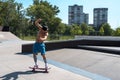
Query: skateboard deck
point(39, 68)
point(34, 69)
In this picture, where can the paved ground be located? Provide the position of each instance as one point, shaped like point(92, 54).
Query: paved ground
point(106, 49)
point(104, 64)
point(7, 36)
point(14, 66)
point(66, 64)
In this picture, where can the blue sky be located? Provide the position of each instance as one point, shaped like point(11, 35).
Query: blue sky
point(88, 6)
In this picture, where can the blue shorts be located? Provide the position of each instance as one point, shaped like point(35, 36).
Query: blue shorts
point(39, 47)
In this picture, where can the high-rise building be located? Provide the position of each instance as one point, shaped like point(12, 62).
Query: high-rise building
point(76, 15)
point(100, 17)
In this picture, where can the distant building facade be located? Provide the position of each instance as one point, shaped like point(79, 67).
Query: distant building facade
point(100, 16)
point(76, 15)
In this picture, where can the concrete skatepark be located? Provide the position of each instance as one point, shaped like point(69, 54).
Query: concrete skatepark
point(65, 63)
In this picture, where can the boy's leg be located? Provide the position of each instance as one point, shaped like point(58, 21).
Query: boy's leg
point(35, 59)
point(45, 61)
point(35, 52)
point(43, 52)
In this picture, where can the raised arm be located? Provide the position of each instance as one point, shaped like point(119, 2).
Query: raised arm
point(37, 23)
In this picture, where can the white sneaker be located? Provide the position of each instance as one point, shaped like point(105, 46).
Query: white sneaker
point(35, 66)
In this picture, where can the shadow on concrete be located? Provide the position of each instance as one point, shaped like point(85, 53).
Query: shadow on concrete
point(14, 75)
point(23, 53)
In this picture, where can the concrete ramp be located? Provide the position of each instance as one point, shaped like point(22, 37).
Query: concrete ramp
point(7, 36)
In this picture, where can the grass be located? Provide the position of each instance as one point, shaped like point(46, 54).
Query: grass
point(28, 38)
point(32, 38)
point(66, 37)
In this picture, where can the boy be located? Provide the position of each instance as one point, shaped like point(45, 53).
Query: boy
point(39, 45)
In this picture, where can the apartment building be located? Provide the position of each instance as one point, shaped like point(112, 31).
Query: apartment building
point(100, 16)
point(76, 15)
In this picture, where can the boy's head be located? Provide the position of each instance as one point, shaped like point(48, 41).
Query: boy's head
point(45, 28)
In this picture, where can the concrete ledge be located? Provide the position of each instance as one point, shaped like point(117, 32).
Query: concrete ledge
point(114, 50)
point(27, 48)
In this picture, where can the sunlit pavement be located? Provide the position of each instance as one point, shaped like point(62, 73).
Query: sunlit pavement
point(66, 64)
point(15, 66)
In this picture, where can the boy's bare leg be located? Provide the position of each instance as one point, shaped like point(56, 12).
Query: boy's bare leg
point(45, 61)
point(35, 59)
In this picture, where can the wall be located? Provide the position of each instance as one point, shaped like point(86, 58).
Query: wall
point(27, 48)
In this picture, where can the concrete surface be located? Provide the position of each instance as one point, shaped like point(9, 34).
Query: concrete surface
point(104, 64)
point(8, 36)
point(107, 49)
point(14, 66)
point(66, 64)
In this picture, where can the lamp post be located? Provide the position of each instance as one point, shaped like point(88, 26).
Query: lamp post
point(23, 22)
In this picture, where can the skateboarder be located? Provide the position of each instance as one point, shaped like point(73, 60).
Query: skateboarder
point(39, 45)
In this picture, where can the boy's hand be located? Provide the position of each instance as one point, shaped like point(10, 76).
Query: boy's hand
point(37, 23)
point(39, 20)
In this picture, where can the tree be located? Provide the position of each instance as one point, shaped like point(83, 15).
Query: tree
point(67, 29)
point(46, 11)
point(107, 29)
point(117, 31)
point(101, 31)
point(42, 9)
point(76, 30)
point(54, 25)
point(61, 28)
point(84, 29)
point(7, 9)
point(91, 30)
point(12, 16)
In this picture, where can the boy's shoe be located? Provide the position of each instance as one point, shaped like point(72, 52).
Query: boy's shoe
point(35, 66)
point(46, 69)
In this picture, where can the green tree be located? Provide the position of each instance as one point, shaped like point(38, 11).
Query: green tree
point(91, 30)
point(42, 9)
point(67, 29)
point(54, 25)
point(1, 23)
point(46, 11)
point(117, 31)
point(7, 8)
point(61, 28)
point(12, 16)
point(101, 31)
point(76, 30)
point(84, 29)
point(107, 29)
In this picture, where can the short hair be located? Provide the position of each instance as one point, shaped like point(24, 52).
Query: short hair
point(45, 28)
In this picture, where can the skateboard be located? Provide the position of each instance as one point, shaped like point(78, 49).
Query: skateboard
point(34, 69)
